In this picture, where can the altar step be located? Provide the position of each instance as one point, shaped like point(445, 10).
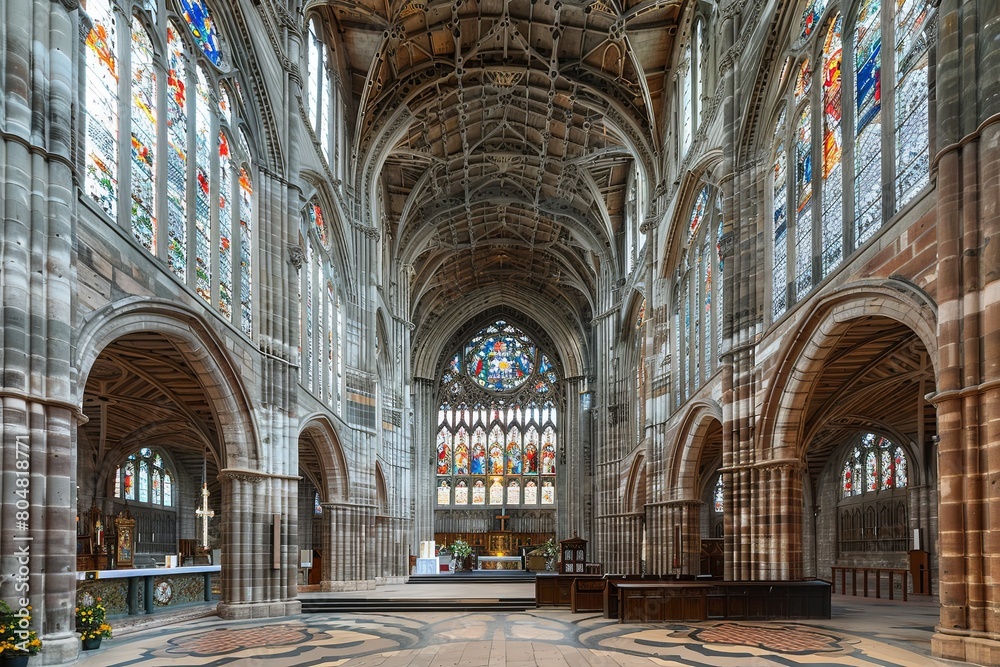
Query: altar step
point(368, 606)
point(476, 577)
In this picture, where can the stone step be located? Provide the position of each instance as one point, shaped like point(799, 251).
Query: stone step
point(364, 605)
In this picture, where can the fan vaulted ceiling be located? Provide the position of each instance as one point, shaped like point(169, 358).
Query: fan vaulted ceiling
point(504, 135)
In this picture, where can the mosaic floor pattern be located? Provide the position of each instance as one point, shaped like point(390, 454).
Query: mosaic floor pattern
point(553, 638)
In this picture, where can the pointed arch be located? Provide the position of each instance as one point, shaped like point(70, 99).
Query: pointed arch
point(326, 465)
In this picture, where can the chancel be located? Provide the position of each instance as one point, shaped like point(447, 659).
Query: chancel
point(711, 285)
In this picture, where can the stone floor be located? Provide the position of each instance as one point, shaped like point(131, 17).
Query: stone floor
point(862, 632)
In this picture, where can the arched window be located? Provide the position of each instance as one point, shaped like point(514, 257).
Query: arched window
point(859, 185)
point(718, 496)
point(321, 320)
point(144, 478)
point(323, 99)
point(695, 316)
point(873, 507)
point(498, 422)
point(186, 196)
point(779, 227)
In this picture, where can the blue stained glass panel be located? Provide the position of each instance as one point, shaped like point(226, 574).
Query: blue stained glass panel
point(811, 16)
point(203, 189)
point(779, 233)
point(199, 20)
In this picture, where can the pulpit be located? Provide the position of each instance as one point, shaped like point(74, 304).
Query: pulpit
point(573, 552)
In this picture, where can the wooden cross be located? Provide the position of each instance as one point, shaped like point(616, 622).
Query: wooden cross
point(204, 514)
point(503, 521)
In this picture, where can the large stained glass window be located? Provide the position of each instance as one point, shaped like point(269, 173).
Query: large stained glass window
point(102, 107)
point(199, 175)
point(697, 327)
point(319, 87)
point(873, 515)
point(887, 162)
point(498, 422)
point(144, 471)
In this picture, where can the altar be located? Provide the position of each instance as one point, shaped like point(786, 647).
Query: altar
point(500, 563)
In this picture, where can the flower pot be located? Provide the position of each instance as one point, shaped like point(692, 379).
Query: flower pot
point(91, 644)
point(14, 660)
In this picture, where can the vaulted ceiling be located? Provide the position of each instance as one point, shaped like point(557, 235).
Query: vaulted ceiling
point(504, 134)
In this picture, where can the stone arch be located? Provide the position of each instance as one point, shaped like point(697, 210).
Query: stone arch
point(684, 475)
point(635, 484)
point(803, 357)
point(201, 348)
point(324, 462)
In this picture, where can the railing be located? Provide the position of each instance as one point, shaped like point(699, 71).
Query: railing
point(890, 573)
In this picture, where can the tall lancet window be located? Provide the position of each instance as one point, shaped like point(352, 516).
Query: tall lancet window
point(698, 284)
point(498, 423)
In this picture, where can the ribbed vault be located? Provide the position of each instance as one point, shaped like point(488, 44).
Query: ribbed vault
point(501, 137)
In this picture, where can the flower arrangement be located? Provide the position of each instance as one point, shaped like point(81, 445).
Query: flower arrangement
point(92, 619)
point(461, 548)
point(16, 637)
point(550, 549)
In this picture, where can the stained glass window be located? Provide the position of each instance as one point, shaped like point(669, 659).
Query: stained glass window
point(868, 132)
point(779, 241)
point(144, 150)
point(196, 190)
point(177, 133)
point(501, 441)
point(144, 471)
point(696, 327)
point(202, 27)
point(911, 101)
point(687, 110)
point(833, 230)
point(225, 227)
point(875, 464)
point(246, 252)
point(803, 81)
point(811, 16)
point(803, 203)
point(719, 496)
point(203, 189)
point(320, 88)
point(501, 358)
point(102, 107)
point(317, 222)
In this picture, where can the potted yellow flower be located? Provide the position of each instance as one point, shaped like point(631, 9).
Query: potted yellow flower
point(18, 641)
point(92, 622)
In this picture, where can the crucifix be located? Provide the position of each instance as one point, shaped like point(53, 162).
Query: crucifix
point(204, 514)
point(503, 517)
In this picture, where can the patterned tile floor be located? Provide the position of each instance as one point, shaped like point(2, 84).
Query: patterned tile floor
point(862, 633)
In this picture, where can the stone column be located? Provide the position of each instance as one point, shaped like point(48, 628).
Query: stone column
point(350, 543)
point(425, 461)
point(683, 537)
point(968, 391)
point(38, 406)
point(251, 586)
